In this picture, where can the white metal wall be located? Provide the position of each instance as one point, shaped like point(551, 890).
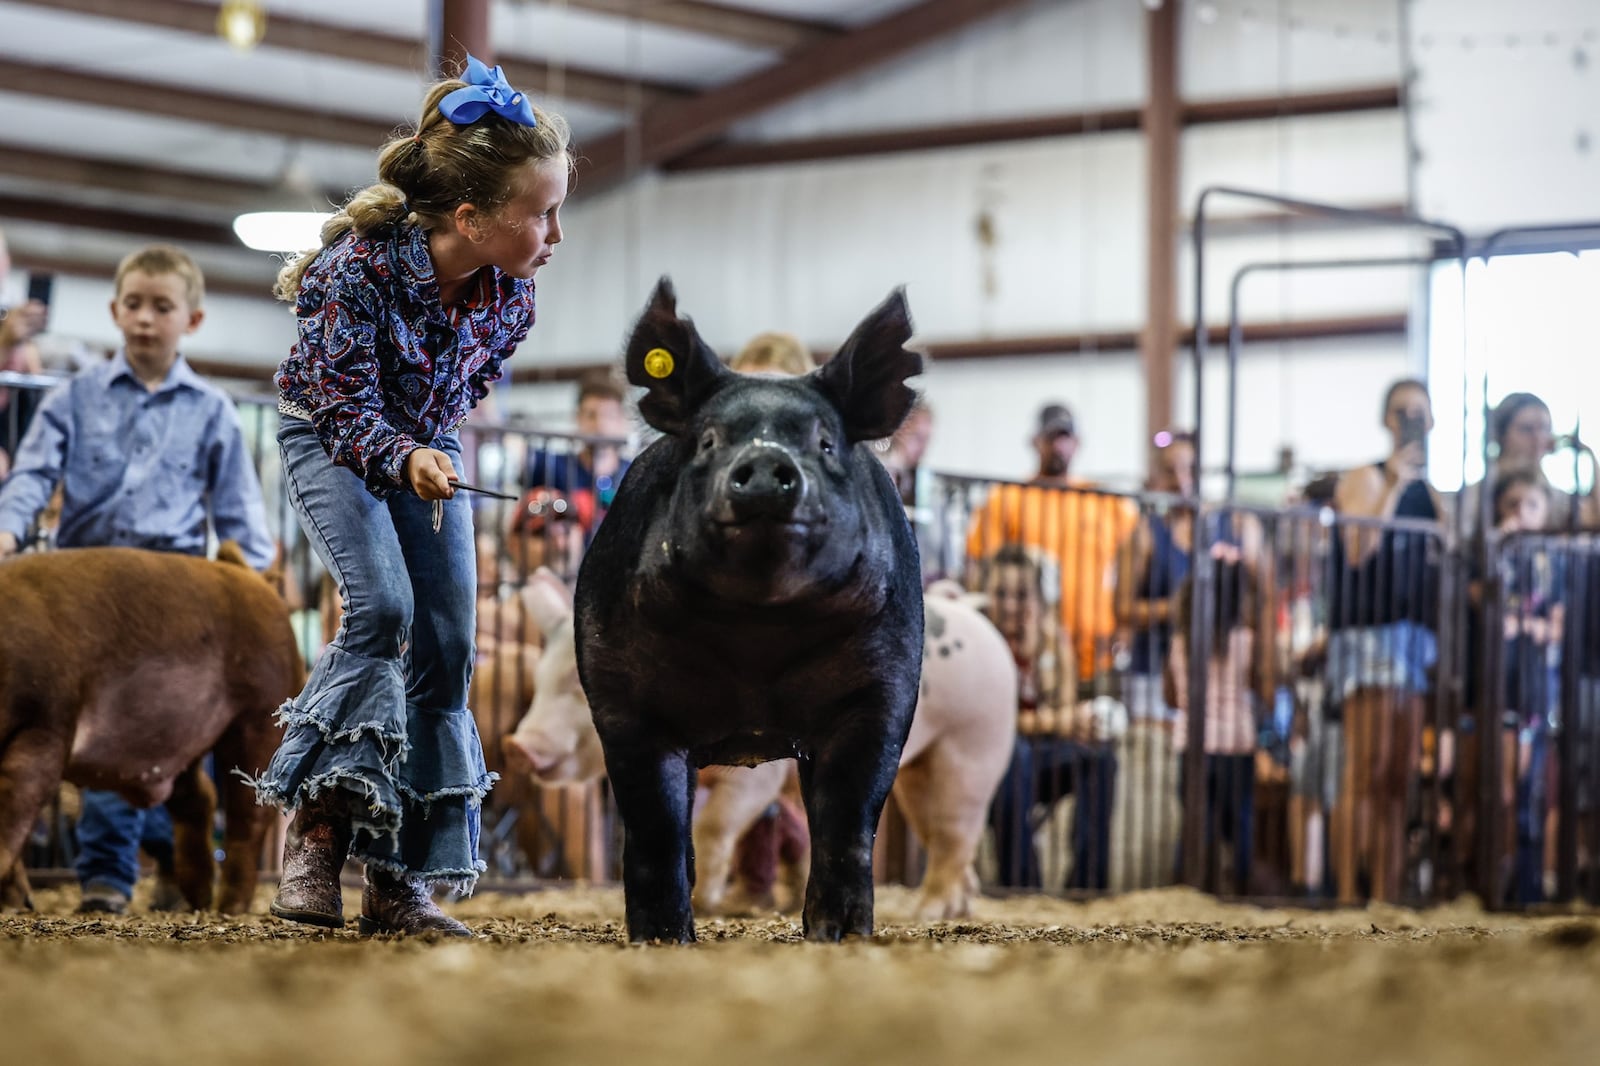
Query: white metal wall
point(810, 247)
point(1508, 110)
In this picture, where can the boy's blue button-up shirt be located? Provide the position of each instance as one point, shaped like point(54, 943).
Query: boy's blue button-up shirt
point(139, 469)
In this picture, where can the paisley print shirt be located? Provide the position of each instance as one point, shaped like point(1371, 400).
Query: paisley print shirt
point(380, 367)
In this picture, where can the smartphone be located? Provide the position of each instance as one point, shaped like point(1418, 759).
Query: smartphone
point(40, 286)
point(1414, 430)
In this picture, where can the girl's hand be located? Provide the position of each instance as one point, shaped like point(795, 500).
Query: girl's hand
point(429, 472)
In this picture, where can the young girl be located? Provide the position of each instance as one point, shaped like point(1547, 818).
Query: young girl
point(422, 286)
point(1533, 617)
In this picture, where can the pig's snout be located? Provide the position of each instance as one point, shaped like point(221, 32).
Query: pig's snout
point(764, 481)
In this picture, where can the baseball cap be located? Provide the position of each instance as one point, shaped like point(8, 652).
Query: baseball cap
point(1056, 420)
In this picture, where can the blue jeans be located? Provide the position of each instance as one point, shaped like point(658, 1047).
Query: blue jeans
point(1043, 770)
point(1532, 797)
point(110, 832)
point(383, 719)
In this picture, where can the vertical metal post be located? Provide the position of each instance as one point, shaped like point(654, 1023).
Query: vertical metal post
point(455, 28)
point(1161, 136)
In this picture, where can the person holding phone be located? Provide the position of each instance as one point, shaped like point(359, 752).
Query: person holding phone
point(1383, 644)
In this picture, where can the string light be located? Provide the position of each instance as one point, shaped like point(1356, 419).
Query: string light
point(1249, 17)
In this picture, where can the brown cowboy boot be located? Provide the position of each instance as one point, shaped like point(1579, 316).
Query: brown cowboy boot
point(391, 904)
point(314, 850)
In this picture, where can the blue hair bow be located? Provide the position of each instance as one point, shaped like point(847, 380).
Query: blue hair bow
point(486, 90)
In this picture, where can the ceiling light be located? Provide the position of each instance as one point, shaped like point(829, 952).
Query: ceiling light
point(242, 23)
point(281, 231)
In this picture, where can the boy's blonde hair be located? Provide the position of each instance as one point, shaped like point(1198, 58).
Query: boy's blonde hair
point(781, 352)
point(430, 173)
point(159, 259)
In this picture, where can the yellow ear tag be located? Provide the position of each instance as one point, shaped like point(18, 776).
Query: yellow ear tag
point(658, 362)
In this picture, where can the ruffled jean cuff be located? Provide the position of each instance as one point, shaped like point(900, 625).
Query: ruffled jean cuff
point(414, 779)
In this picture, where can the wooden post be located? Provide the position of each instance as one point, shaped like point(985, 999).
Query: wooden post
point(458, 27)
point(1161, 122)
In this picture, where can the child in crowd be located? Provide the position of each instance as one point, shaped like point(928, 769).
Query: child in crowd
point(1233, 673)
point(1056, 755)
point(422, 287)
point(774, 353)
point(1533, 618)
point(147, 455)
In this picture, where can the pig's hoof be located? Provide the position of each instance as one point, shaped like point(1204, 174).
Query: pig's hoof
point(661, 932)
point(739, 903)
point(237, 904)
point(826, 932)
point(832, 930)
point(942, 909)
point(167, 896)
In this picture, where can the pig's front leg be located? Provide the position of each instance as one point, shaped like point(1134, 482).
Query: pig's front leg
point(193, 807)
point(16, 894)
point(654, 791)
point(845, 784)
point(31, 761)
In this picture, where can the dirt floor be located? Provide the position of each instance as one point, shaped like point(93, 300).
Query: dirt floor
point(1158, 977)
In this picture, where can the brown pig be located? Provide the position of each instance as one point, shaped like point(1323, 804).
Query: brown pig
point(119, 670)
point(959, 747)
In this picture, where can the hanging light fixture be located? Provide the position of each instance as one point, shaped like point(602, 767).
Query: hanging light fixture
point(292, 221)
point(280, 231)
point(242, 23)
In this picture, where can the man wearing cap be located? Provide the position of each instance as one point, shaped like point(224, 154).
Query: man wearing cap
point(1079, 530)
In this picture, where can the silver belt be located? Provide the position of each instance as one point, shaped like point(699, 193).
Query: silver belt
point(288, 407)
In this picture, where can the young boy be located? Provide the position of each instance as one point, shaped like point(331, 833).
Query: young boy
point(145, 452)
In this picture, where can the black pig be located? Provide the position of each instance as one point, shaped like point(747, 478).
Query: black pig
point(754, 594)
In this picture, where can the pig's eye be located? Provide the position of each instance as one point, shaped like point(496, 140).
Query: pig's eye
point(826, 445)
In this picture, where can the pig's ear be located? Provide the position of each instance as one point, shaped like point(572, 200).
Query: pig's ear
point(866, 379)
point(546, 600)
point(667, 356)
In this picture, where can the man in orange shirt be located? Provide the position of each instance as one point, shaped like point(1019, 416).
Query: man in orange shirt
point(1078, 530)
